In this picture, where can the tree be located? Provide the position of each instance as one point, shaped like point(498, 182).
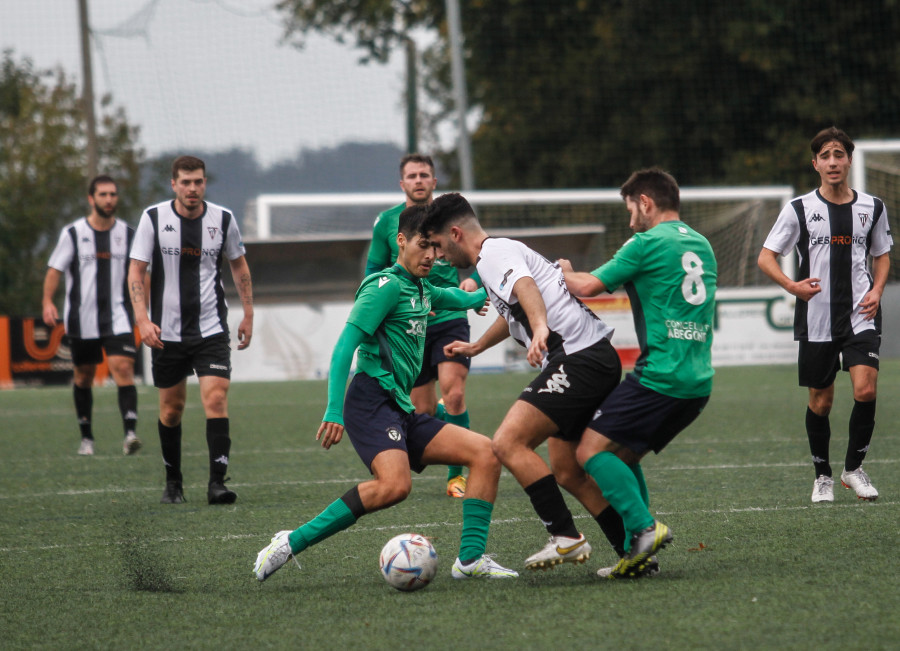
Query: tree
point(42, 163)
point(579, 93)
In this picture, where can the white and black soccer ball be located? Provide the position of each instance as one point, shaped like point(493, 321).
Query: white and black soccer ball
point(408, 562)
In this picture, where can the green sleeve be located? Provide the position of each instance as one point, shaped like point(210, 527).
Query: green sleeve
point(341, 359)
point(624, 266)
point(452, 298)
point(376, 298)
point(379, 249)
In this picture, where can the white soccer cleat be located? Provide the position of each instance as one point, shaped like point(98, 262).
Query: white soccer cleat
point(823, 489)
point(131, 444)
point(859, 481)
point(482, 568)
point(86, 448)
point(560, 549)
point(273, 556)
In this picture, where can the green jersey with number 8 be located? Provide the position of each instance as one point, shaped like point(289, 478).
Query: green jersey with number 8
point(669, 273)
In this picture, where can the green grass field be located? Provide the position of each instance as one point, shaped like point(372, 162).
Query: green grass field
point(90, 559)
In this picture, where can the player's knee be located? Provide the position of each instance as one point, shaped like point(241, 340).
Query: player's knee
point(215, 403)
point(455, 400)
point(569, 478)
point(483, 459)
point(170, 414)
point(393, 492)
point(503, 447)
point(865, 393)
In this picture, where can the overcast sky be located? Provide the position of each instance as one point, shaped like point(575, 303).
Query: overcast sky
point(210, 74)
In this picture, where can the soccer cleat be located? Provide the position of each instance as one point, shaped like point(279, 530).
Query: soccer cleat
point(859, 481)
point(644, 544)
point(217, 493)
point(823, 489)
point(456, 487)
point(86, 448)
point(560, 549)
point(652, 569)
point(131, 444)
point(273, 557)
point(173, 493)
point(481, 568)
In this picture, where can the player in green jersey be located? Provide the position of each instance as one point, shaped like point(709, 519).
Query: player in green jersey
point(387, 326)
point(417, 180)
point(669, 272)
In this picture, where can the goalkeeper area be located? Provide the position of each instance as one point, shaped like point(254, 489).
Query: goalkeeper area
point(324, 238)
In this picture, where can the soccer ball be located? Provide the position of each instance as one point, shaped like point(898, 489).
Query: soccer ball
point(408, 562)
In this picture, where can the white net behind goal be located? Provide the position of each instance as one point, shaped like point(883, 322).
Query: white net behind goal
point(876, 170)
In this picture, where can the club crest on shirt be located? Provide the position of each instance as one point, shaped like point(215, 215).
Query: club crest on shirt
point(212, 230)
point(863, 219)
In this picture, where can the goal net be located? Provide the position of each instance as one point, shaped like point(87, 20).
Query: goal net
point(587, 226)
point(876, 170)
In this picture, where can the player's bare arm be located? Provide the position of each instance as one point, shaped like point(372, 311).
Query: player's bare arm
point(881, 265)
point(498, 331)
point(51, 282)
point(468, 285)
point(240, 270)
point(526, 290)
point(803, 289)
point(150, 332)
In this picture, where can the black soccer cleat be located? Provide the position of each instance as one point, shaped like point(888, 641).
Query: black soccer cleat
point(173, 493)
point(217, 493)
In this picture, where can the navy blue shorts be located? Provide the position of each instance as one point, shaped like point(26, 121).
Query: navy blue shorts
point(436, 337)
point(375, 423)
point(178, 360)
point(90, 351)
point(819, 361)
point(571, 388)
point(642, 419)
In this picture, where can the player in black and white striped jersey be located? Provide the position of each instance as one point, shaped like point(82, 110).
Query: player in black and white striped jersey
point(836, 231)
point(186, 240)
point(92, 253)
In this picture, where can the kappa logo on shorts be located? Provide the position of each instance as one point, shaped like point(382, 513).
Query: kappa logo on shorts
point(873, 355)
point(393, 433)
point(557, 383)
point(218, 367)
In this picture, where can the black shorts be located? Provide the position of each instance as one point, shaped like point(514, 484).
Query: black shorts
point(436, 337)
point(570, 388)
point(375, 423)
point(90, 351)
point(819, 362)
point(179, 359)
point(642, 419)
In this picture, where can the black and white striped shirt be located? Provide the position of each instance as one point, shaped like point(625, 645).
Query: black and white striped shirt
point(833, 244)
point(573, 326)
point(187, 297)
point(95, 264)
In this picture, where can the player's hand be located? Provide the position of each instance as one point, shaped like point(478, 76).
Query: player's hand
point(565, 265)
point(870, 304)
point(460, 348)
point(330, 434)
point(468, 285)
point(538, 347)
point(484, 308)
point(806, 289)
point(150, 333)
point(51, 316)
point(245, 332)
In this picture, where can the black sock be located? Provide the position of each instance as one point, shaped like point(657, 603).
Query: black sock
point(170, 443)
point(84, 404)
point(548, 502)
point(128, 408)
point(219, 446)
point(354, 502)
point(862, 423)
point(613, 528)
point(818, 430)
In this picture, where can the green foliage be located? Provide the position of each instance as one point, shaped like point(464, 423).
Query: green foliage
point(92, 560)
point(42, 179)
point(577, 94)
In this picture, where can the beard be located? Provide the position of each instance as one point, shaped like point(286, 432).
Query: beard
point(103, 213)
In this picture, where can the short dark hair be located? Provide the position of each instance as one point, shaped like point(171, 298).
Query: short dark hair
point(97, 180)
point(187, 164)
point(831, 134)
point(446, 209)
point(416, 158)
point(656, 184)
point(411, 220)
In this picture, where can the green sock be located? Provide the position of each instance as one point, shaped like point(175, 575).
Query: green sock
point(333, 519)
point(642, 483)
point(620, 487)
point(458, 419)
point(441, 412)
point(476, 524)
